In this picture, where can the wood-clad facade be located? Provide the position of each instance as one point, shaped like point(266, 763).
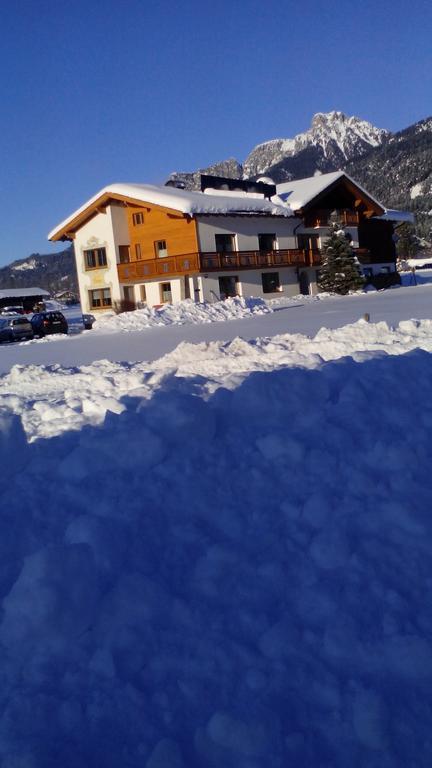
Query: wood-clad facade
point(158, 224)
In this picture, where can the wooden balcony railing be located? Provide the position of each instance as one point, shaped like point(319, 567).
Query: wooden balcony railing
point(210, 261)
point(292, 257)
point(170, 266)
point(322, 218)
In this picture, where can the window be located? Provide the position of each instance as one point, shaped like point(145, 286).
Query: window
point(137, 251)
point(137, 218)
point(228, 286)
point(143, 295)
point(267, 242)
point(100, 298)
point(95, 258)
point(270, 282)
point(161, 249)
point(165, 292)
point(128, 293)
point(225, 243)
point(124, 255)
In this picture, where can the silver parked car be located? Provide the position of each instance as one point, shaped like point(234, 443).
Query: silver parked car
point(15, 328)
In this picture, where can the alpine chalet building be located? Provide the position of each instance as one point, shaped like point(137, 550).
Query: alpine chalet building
point(138, 244)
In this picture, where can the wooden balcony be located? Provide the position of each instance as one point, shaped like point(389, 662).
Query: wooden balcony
point(321, 218)
point(239, 260)
point(170, 266)
point(211, 261)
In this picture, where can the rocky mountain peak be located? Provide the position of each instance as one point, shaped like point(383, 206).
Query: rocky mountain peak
point(333, 137)
point(324, 118)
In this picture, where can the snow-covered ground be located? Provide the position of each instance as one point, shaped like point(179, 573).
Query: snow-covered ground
point(156, 336)
point(221, 557)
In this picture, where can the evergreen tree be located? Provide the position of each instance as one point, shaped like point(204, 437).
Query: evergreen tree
point(340, 271)
point(407, 245)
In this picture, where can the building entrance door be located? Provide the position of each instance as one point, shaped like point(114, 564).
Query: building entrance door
point(304, 283)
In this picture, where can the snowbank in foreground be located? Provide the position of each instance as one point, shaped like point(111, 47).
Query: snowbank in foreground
point(183, 312)
point(53, 399)
point(232, 568)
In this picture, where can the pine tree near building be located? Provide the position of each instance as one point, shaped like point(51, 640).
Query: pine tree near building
point(407, 245)
point(340, 271)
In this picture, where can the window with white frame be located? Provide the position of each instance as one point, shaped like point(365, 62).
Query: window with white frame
point(270, 282)
point(137, 218)
point(225, 243)
point(100, 298)
point(165, 292)
point(161, 249)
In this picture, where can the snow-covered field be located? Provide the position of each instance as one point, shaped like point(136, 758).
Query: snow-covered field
point(221, 558)
point(149, 335)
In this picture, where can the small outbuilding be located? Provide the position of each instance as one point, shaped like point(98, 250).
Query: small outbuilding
point(27, 298)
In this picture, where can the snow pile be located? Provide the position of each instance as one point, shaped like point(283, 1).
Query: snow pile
point(223, 574)
point(184, 312)
point(54, 399)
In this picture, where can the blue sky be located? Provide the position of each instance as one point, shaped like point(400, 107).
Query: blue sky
point(101, 91)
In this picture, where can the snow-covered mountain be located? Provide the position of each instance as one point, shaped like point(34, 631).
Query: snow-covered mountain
point(399, 173)
point(332, 140)
point(395, 167)
point(53, 272)
point(24, 266)
point(335, 137)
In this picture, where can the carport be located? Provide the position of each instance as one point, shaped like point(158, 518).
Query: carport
point(22, 297)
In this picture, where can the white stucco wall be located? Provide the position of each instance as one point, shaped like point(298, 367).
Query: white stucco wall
point(105, 230)
point(250, 283)
point(153, 291)
point(120, 227)
point(246, 231)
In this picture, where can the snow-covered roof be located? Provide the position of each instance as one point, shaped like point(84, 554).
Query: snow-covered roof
point(299, 193)
point(393, 215)
point(302, 191)
point(185, 201)
point(16, 293)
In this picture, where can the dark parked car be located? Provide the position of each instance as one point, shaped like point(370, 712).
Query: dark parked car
point(15, 310)
point(44, 323)
point(88, 321)
point(15, 328)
